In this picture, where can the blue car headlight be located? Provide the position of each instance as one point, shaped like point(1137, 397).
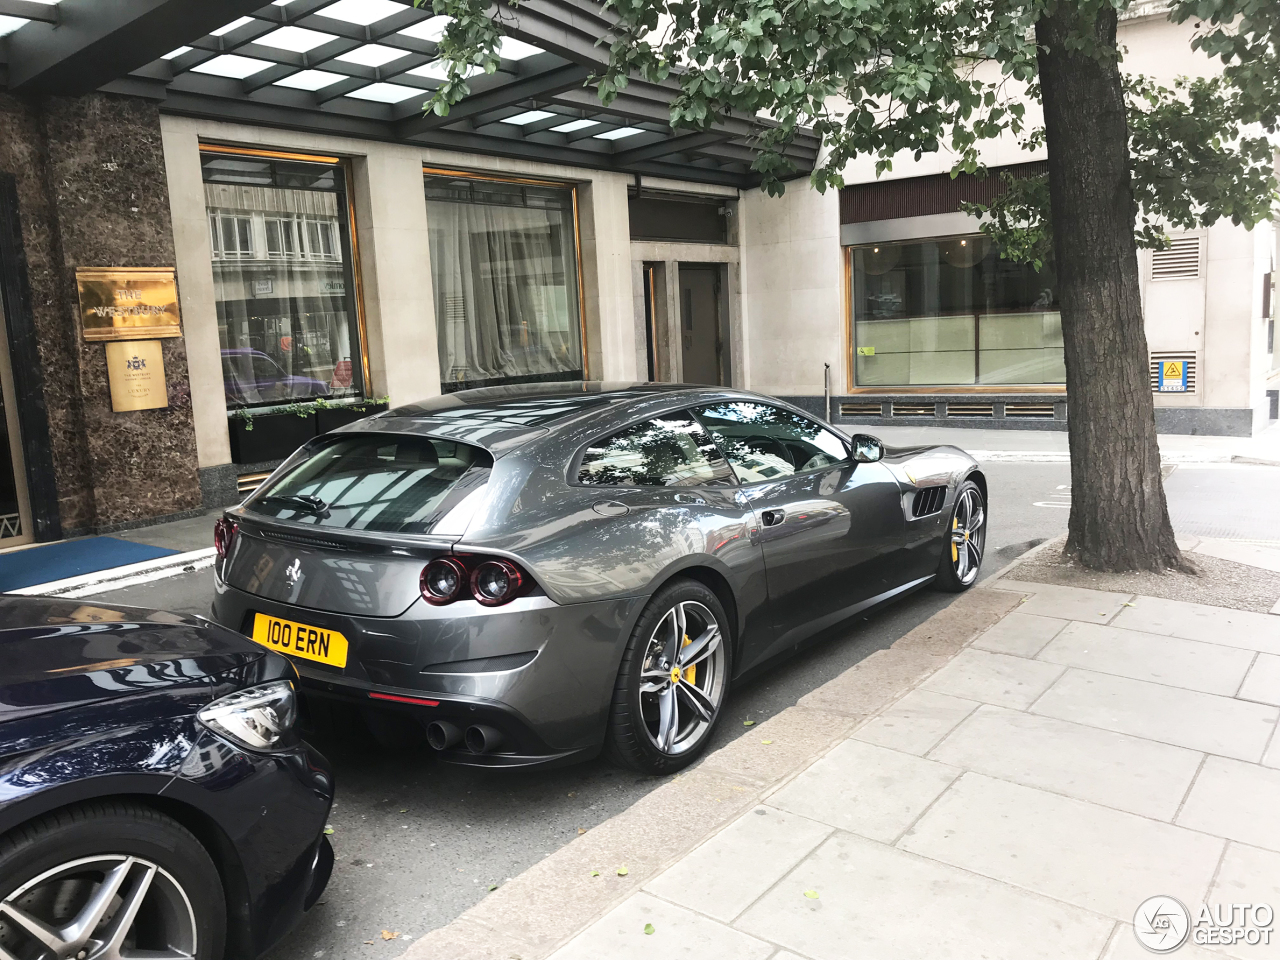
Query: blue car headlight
point(260, 718)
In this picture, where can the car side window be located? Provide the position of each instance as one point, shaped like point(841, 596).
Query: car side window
point(668, 451)
point(764, 442)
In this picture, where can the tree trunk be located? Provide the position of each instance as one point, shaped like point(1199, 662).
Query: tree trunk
point(1119, 519)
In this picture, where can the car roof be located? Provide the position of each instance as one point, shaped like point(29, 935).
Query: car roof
point(533, 404)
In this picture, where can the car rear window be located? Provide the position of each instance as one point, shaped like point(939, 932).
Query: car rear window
point(378, 483)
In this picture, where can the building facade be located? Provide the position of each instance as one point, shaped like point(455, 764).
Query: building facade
point(333, 250)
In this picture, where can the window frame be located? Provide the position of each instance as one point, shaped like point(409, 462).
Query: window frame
point(844, 441)
point(572, 187)
point(575, 462)
point(347, 241)
point(906, 389)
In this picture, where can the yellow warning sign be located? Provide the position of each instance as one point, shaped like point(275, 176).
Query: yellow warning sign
point(1173, 369)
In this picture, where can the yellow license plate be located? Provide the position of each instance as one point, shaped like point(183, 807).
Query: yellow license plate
point(300, 640)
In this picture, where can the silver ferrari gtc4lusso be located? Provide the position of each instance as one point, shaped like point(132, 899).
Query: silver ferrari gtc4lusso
point(536, 573)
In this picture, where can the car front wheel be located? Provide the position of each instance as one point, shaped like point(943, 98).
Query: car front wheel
point(673, 681)
point(108, 881)
point(965, 540)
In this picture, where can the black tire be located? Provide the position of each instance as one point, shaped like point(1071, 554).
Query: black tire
point(958, 570)
point(115, 829)
point(628, 741)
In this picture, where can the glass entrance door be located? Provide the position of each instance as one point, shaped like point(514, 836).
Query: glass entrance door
point(15, 511)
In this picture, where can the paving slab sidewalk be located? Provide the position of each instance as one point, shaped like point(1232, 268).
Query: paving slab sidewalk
point(1013, 779)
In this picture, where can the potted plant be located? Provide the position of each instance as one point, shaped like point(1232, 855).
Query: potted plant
point(262, 437)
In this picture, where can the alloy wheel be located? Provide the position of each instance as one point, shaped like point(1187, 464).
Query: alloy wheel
point(108, 907)
point(682, 680)
point(968, 535)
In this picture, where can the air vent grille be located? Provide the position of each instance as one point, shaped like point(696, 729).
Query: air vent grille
point(913, 409)
point(1181, 261)
point(1029, 411)
point(928, 500)
point(1159, 359)
point(860, 409)
point(250, 482)
point(970, 410)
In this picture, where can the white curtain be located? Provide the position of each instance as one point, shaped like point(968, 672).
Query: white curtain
point(506, 291)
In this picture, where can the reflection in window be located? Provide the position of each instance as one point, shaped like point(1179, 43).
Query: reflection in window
point(504, 267)
point(671, 451)
point(951, 311)
point(768, 443)
point(394, 485)
point(286, 315)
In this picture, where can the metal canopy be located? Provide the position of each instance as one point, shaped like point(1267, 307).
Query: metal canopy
point(363, 68)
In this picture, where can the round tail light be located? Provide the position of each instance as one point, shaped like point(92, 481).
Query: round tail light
point(442, 580)
point(496, 581)
point(224, 536)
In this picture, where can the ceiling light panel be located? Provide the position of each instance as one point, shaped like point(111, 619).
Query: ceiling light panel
point(387, 93)
point(297, 39)
point(372, 55)
point(233, 25)
point(176, 53)
point(618, 133)
point(231, 65)
point(439, 70)
point(362, 12)
point(432, 29)
point(575, 125)
point(310, 80)
point(509, 48)
point(529, 116)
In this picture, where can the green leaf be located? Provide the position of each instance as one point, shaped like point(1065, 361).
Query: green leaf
point(595, 873)
point(328, 831)
point(648, 930)
point(811, 894)
point(493, 887)
point(623, 871)
point(748, 723)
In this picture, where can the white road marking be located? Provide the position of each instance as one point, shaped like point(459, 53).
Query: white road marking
point(117, 578)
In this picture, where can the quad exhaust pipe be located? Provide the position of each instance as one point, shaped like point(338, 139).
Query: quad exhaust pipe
point(483, 739)
point(480, 738)
point(442, 734)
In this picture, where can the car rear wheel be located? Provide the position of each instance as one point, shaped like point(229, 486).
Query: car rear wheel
point(965, 540)
point(673, 681)
point(108, 881)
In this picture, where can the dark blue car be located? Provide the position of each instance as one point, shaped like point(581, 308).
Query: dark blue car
point(155, 798)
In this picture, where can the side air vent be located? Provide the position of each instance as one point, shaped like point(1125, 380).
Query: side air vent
point(928, 500)
point(970, 410)
point(1029, 411)
point(1181, 261)
point(860, 409)
point(913, 409)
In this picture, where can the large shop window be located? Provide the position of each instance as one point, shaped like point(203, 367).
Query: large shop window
point(283, 280)
point(952, 312)
point(504, 265)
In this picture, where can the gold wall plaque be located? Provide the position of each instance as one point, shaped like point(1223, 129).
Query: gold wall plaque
point(135, 370)
point(128, 303)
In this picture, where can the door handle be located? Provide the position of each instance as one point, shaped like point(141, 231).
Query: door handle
point(688, 498)
point(771, 518)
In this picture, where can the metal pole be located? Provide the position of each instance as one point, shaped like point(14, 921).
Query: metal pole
point(826, 392)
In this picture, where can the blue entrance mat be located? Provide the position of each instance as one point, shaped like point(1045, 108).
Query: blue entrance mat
point(57, 561)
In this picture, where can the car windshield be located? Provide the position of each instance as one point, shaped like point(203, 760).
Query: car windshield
point(378, 483)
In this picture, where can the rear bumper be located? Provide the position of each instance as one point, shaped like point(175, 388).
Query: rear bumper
point(539, 672)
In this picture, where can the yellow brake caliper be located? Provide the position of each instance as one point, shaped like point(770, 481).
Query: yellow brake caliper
point(690, 673)
point(955, 553)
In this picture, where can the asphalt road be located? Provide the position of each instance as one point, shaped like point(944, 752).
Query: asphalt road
point(418, 842)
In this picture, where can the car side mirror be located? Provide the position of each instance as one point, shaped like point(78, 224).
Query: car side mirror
point(866, 449)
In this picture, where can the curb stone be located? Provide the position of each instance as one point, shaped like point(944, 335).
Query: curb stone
point(530, 916)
